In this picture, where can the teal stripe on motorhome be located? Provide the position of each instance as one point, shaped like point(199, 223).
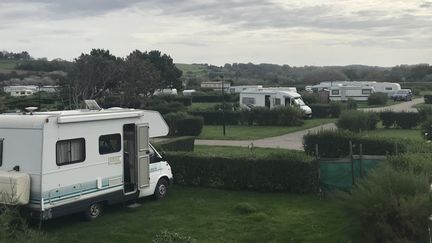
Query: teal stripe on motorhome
point(72, 189)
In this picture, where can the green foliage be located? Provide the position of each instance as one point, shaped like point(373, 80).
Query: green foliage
point(335, 143)
point(425, 112)
point(393, 204)
point(165, 107)
point(284, 173)
point(172, 237)
point(405, 120)
point(182, 124)
point(426, 128)
point(185, 143)
point(246, 208)
point(351, 104)
point(14, 228)
point(212, 97)
point(428, 99)
point(377, 99)
point(309, 98)
point(261, 116)
point(333, 109)
point(357, 121)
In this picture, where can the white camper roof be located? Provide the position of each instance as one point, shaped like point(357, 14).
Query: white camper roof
point(157, 125)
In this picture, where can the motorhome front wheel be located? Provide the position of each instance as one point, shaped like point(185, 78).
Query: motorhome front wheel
point(93, 211)
point(161, 189)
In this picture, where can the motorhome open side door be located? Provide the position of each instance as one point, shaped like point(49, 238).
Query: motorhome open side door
point(142, 154)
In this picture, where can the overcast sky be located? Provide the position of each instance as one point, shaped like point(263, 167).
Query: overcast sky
point(304, 32)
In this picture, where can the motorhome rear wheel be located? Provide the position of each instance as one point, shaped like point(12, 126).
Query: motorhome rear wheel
point(93, 211)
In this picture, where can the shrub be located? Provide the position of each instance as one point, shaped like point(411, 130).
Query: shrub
point(357, 121)
point(320, 110)
point(378, 99)
point(336, 108)
point(428, 99)
point(165, 107)
point(310, 98)
point(407, 120)
point(351, 104)
point(392, 205)
point(427, 129)
point(275, 173)
point(424, 112)
point(182, 124)
point(185, 143)
point(388, 118)
point(172, 237)
point(335, 143)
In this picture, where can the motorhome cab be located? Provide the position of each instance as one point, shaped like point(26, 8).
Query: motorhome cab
point(63, 162)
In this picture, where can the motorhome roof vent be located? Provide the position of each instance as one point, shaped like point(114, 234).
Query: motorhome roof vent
point(92, 105)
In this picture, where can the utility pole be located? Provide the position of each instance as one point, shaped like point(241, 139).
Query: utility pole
point(39, 94)
point(223, 105)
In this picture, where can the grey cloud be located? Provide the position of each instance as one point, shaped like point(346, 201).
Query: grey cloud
point(426, 5)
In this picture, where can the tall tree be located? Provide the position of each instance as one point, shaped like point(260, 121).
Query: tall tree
point(169, 73)
point(93, 74)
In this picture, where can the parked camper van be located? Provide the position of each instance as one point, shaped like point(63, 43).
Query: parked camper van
point(63, 162)
point(273, 97)
point(343, 93)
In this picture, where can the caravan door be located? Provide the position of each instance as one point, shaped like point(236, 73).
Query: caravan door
point(142, 155)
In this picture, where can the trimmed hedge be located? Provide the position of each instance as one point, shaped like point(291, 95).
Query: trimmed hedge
point(333, 109)
point(335, 143)
point(428, 99)
point(357, 121)
point(287, 174)
point(405, 120)
point(185, 143)
point(182, 124)
point(279, 116)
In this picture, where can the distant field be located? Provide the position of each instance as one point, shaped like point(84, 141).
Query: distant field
point(7, 64)
point(192, 70)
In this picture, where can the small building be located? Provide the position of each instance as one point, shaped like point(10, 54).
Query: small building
point(188, 92)
point(26, 90)
point(165, 92)
point(216, 85)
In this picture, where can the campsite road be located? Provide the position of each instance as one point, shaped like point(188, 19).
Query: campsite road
point(295, 140)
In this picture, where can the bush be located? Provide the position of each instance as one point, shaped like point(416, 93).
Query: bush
point(182, 124)
point(320, 110)
point(357, 121)
point(309, 98)
point(405, 120)
point(392, 205)
point(165, 107)
point(335, 143)
point(424, 112)
point(427, 129)
point(185, 143)
point(428, 99)
point(378, 99)
point(351, 104)
point(336, 109)
point(172, 237)
point(275, 173)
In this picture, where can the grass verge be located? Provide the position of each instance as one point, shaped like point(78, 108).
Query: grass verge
point(241, 132)
point(210, 215)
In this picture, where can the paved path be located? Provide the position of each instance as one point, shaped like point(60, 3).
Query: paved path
point(295, 140)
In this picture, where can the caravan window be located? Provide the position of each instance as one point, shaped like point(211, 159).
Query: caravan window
point(277, 101)
point(366, 91)
point(70, 151)
point(389, 88)
point(335, 92)
point(1, 151)
point(109, 143)
point(248, 101)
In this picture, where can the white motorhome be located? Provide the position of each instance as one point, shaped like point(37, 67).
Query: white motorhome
point(273, 97)
point(62, 162)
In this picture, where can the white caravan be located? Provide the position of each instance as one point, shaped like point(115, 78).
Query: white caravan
point(273, 97)
point(383, 87)
point(62, 162)
point(343, 93)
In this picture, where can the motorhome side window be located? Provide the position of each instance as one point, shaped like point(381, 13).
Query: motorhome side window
point(1, 151)
point(335, 92)
point(70, 151)
point(277, 101)
point(109, 143)
point(248, 101)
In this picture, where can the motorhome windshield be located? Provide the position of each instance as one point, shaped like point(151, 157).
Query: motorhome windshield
point(298, 101)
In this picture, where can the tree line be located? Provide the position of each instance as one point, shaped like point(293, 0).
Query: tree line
point(24, 55)
point(100, 73)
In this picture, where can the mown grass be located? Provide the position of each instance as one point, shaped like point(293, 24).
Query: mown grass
point(210, 215)
point(243, 132)
point(413, 134)
point(243, 152)
point(202, 106)
point(364, 104)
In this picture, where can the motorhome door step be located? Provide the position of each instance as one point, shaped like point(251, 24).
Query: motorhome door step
point(134, 205)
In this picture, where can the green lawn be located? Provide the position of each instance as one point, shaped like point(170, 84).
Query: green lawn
point(242, 132)
point(203, 106)
point(414, 134)
point(231, 151)
point(364, 104)
point(210, 215)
